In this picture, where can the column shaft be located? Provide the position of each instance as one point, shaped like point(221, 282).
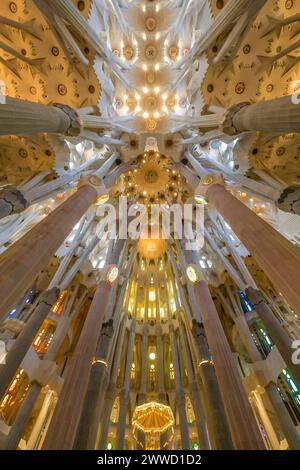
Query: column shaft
point(23, 261)
point(279, 336)
point(286, 423)
point(276, 256)
point(23, 342)
point(20, 117)
point(63, 427)
point(124, 398)
point(280, 115)
point(244, 431)
point(218, 430)
point(18, 428)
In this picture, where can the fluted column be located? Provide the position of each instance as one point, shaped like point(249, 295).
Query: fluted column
point(291, 434)
point(218, 429)
point(124, 398)
point(23, 342)
point(38, 425)
point(23, 261)
point(179, 389)
point(194, 391)
point(219, 432)
point(283, 416)
point(19, 117)
point(111, 390)
point(180, 395)
point(244, 430)
point(278, 258)
point(280, 115)
point(63, 427)
point(86, 432)
point(87, 427)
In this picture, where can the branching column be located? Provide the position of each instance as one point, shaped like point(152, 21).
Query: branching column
point(23, 342)
point(19, 117)
point(124, 398)
point(279, 336)
point(63, 427)
point(24, 260)
point(87, 428)
point(280, 115)
point(194, 391)
point(276, 256)
point(111, 390)
point(244, 430)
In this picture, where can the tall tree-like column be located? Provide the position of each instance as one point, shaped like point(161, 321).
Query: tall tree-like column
point(87, 428)
point(21, 345)
point(23, 417)
point(19, 117)
point(63, 427)
point(279, 336)
point(279, 259)
point(111, 390)
point(124, 398)
point(180, 395)
point(280, 115)
point(218, 429)
point(244, 430)
point(194, 391)
point(23, 261)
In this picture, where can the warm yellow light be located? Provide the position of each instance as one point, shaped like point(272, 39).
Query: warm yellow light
point(156, 115)
point(156, 90)
point(152, 356)
point(145, 90)
point(152, 367)
point(145, 115)
point(137, 96)
point(102, 199)
point(156, 67)
point(152, 295)
point(138, 109)
point(145, 67)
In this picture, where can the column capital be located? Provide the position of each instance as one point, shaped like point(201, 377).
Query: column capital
point(289, 200)
point(255, 296)
point(227, 125)
point(49, 297)
point(12, 201)
point(75, 121)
